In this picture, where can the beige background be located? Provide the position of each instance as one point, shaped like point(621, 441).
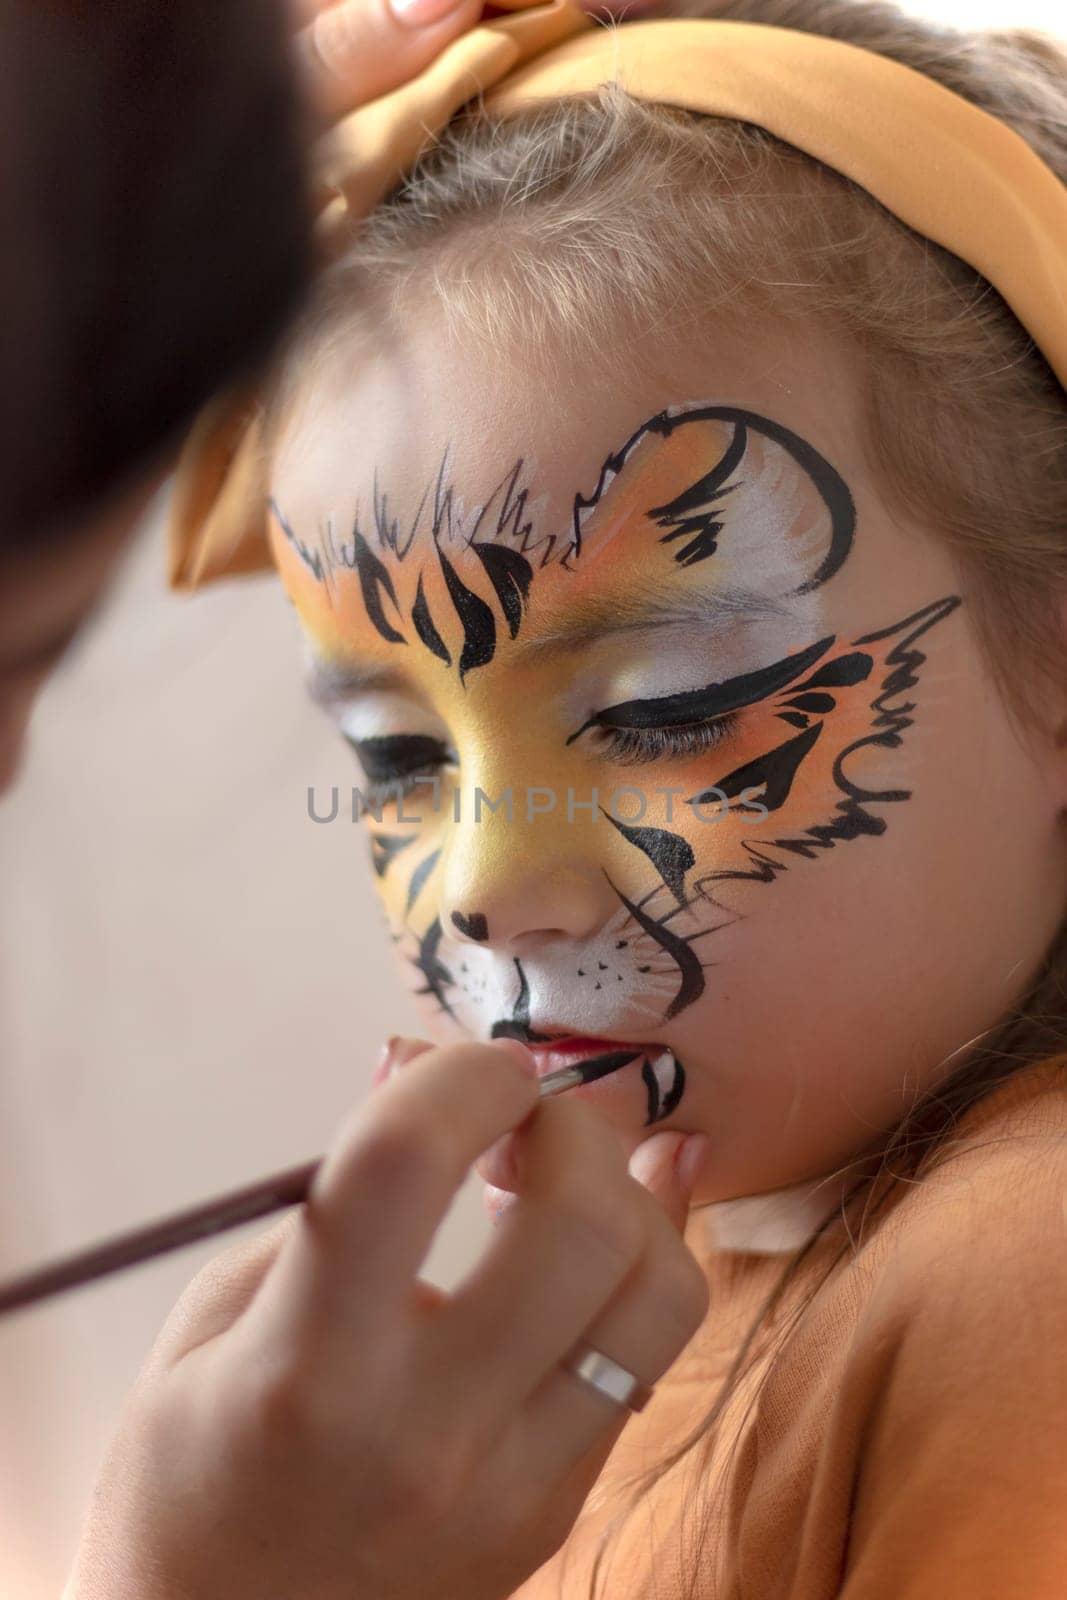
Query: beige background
point(193, 986)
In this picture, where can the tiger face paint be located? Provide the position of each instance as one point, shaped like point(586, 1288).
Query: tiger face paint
point(621, 717)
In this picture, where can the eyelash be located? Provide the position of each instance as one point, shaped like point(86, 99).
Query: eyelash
point(415, 757)
point(634, 746)
point(395, 764)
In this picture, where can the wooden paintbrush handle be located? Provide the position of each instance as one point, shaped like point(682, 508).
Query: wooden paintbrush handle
point(157, 1238)
point(198, 1222)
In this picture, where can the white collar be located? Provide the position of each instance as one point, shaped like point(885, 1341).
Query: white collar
point(771, 1223)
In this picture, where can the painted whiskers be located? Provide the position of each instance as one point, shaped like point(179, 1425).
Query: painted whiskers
point(728, 510)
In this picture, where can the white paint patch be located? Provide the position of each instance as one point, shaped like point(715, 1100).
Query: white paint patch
point(620, 983)
point(664, 1070)
point(381, 713)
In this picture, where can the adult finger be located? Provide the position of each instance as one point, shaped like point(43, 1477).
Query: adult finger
point(644, 1329)
point(555, 1260)
point(353, 52)
point(669, 1166)
point(383, 1191)
point(396, 1053)
point(221, 1292)
point(304, 12)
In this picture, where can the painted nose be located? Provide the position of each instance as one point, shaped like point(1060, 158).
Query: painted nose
point(473, 926)
point(518, 911)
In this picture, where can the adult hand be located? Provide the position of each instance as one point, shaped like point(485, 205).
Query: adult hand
point(351, 51)
point(317, 1421)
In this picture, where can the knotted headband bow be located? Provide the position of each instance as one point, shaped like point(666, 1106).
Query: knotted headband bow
point(950, 171)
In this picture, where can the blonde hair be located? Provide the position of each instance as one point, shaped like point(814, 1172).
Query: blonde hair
point(593, 214)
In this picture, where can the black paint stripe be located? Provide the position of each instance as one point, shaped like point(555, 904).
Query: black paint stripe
point(517, 1026)
point(661, 1106)
point(384, 847)
point(674, 1094)
point(715, 700)
point(827, 481)
point(418, 879)
point(843, 673)
point(776, 770)
point(696, 497)
point(818, 704)
point(691, 515)
point(651, 1083)
point(311, 559)
point(390, 757)
point(511, 575)
point(600, 1066)
point(690, 971)
point(670, 854)
point(853, 820)
point(436, 974)
point(424, 627)
point(479, 628)
point(374, 580)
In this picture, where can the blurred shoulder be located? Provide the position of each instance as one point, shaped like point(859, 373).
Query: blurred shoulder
point(987, 1224)
point(952, 1402)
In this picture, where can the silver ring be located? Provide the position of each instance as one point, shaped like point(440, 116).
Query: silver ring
point(607, 1377)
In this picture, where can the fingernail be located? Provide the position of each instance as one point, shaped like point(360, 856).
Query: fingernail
point(422, 13)
point(396, 1053)
point(655, 1157)
point(385, 1061)
point(521, 1054)
point(689, 1160)
point(498, 1202)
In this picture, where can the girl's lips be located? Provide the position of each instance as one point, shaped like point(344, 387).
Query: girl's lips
point(634, 1083)
point(574, 1049)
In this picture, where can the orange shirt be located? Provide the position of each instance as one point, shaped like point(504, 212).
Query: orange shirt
point(910, 1440)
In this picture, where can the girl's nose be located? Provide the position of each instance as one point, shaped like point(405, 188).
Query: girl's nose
point(523, 861)
point(516, 902)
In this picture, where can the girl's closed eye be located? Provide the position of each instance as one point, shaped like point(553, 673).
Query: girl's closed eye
point(397, 740)
point(393, 764)
point(686, 723)
point(632, 746)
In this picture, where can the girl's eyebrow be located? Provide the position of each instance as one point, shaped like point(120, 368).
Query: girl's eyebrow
point(328, 681)
point(587, 622)
point(603, 616)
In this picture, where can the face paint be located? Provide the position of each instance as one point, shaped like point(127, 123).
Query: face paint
point(543, 656)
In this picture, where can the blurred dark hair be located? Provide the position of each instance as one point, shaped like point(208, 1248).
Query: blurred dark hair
point(153, 232)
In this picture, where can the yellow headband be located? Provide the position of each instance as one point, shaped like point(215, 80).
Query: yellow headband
point(953, 173)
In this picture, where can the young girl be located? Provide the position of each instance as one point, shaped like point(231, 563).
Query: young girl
point(679, 538)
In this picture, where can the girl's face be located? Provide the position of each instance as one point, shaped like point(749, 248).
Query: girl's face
point(700, 767)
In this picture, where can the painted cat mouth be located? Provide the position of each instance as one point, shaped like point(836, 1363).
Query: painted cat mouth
point(553, 1048)
point(589, 1057)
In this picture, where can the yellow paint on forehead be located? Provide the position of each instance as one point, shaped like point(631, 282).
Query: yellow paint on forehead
point(620, 545)
point(656, 471)
point(330, 608)
point(694, 501)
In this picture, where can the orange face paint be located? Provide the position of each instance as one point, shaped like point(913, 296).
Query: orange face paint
point(645, 703)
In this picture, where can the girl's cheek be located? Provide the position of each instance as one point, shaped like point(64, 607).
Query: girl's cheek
point(395, 854)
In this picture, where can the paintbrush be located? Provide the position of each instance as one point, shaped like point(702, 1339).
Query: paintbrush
point(212, 1217)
